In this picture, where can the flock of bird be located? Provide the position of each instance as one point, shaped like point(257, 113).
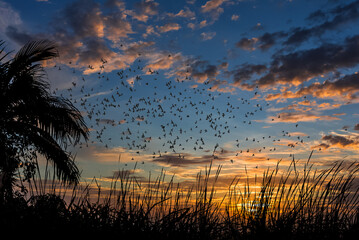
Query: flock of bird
point(140, 110)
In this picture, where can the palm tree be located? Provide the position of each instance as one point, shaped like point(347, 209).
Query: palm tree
point(32, 120)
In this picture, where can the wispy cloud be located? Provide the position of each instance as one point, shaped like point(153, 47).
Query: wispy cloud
point(294, 117)
point(143, 10)
point(207, 35)
point(169, 27)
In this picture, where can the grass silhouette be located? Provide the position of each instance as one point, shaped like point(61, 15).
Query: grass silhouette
point(298, 203)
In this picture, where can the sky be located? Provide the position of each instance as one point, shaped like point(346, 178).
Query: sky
point(176, 85)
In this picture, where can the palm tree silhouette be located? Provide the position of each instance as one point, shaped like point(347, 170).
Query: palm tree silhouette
point(31, 120)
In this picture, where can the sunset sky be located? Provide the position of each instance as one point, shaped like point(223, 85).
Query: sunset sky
point(175, 84)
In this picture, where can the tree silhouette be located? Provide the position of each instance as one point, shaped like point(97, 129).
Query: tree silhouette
point(32, 120)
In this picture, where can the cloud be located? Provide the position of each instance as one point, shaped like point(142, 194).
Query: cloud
point(84, 17)
point(203, 23)
point(247, 43)
point(268, 40)
point(294, 117)
point(163, 60)
point(345, 89)
point(10, 21)
point(190, 68)
point(191, 26)
point(115, 4)
point(246, 71)
point(128, 174)
point(22, 37)
point(328, 106)
point(341, 15)
point(117, 27)
point(301, 66)
point(300, 134)
point(169, 27)
point(330, 20)
point(150, 30)
point(207, 35)
point(221, 86)
point(336, 141)
point(180, 160)
point(234, 17)
point(107, 121)
point(202, 71)
point(93, 50)
point(185, 13)
point(143, 10)
point(356, 127)
point(213, 8)
point(111, 155)
point(211, 5)
point(8, 16)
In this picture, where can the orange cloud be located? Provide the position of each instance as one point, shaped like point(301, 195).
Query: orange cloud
point(117, 27)
point(143, 10)
point(212, 5)
point(187, 13)
point(169, 27)
point(163, 60)
point(293, 117)
point(344, 89)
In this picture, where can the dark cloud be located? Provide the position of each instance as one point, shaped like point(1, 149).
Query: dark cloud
point(117, 27)
point(316, 16)
point(199, 70)
point(336, 141)
point(345, 88)
point(209, 72)
point(263, 42)
point(356, 127)
point(143, 10)
point(301, 66)
point(107, 121)
point(267, 40)
point(83, 18)
point(115, 3)
point(93, 50)
point(247, 43)
point(18, 36)
point(246, 71)
point(330, 20)
point(126, 174)
point(341, 15)
point(148, 7)
point(185, 160)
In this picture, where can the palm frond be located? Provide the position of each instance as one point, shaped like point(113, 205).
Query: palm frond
point(63, 162)
point(36, 51)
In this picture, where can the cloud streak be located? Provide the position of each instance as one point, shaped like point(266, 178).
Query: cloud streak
point(342, 142)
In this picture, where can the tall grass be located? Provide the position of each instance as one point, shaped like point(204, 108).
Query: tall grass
point(298, 203)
